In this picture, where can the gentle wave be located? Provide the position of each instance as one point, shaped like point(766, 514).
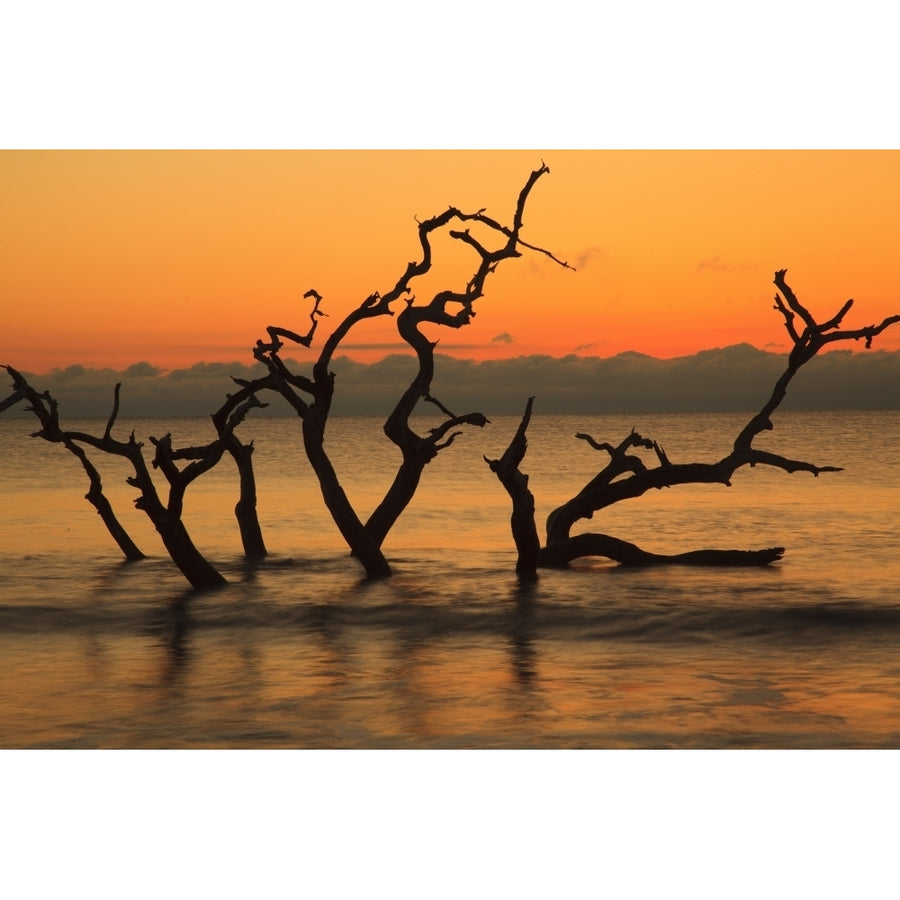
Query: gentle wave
point(302, 650)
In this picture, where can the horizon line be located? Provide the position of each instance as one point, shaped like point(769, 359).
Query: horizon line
point(160, 371)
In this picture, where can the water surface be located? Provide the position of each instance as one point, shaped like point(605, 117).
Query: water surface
point(302, 651)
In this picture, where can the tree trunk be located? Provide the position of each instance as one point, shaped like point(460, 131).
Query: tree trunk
point(524, 530)
point(100, 502)
point(395, 501)
point(628, 554)
point(362, 545)
point(245, 509)
point(189, 560)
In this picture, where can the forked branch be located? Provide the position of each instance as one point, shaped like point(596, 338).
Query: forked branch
point(450, 309)
point(628, 476)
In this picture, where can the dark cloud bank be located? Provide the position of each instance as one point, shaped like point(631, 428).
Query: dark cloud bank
point(736, 378)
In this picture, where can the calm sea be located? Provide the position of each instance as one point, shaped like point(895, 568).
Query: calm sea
point(301, 651)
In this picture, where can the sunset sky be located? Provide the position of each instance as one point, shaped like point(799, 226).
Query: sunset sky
point(178, 257)
point(108, 258)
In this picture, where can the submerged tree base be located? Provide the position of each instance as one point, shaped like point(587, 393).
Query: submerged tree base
point(628, 554)
point(627, 475)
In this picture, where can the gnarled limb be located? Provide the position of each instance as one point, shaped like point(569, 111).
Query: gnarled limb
point(242, 454)
point(311, 397)
point(46, 409)
point(524, 530)
point(628, 554)
point(166, 518)
point(314, 411)
point(305, 339)
point(225, 420)
point(450, 309)
point(532, 556)
point(628, 476)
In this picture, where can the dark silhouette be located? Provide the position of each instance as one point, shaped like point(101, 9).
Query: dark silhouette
point(311, 395)
point(627, 475)
point(46, 409)
point(166, 517)
point(522, 523)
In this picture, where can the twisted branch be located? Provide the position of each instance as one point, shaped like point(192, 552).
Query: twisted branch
point(627, 476)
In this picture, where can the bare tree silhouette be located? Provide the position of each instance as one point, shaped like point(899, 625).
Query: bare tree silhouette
point(311, 395)
point(165, 516)
point(46, 409)
point(626, 475)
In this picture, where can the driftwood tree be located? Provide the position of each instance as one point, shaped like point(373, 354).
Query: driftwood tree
point(165, 516)
point(626, 475)
point(46, 409)
point(311, 398)
point(311, 395)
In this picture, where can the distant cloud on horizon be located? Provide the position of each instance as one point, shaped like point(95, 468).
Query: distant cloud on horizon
point(735, 378)
point(588, 256)
point(504, 338)
point(143, 370)
point(717, 264)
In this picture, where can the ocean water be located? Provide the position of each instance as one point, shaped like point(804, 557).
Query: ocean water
point(301, 651)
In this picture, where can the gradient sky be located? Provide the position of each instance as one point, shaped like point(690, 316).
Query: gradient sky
point(177, 257)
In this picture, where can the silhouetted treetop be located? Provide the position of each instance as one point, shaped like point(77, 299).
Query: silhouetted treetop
point(628, 468)
point(627, 475)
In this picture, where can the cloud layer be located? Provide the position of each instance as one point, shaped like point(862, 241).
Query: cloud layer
point(735, 378)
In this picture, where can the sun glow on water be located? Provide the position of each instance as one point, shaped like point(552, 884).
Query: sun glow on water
point(302, 651)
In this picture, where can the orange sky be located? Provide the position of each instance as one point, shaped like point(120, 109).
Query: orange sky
point(176, 257)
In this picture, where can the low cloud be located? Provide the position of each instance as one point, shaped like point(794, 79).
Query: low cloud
point(736, 378)
point(504, 338)
point(717, 264)
point(143, 370)
point(588, 256)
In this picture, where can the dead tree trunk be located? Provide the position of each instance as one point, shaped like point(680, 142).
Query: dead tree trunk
point(416, 450)
point(450, 309)
point(524, 530)
point(46, 410)
point(166, 517)
point(311, 397)
point(313, 409)
point(627, 475)
point(245, 510)
point(99, 501)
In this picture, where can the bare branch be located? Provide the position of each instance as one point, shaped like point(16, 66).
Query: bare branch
point(45, 408)
point(450, 309)
point(428, 398)
point(515, 482)
point(114, 413)
point(627, 477)
point(16, 397)
point(761, 457)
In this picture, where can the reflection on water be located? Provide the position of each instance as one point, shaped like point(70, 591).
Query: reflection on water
point(497, 664)
point(453, 651)
point(175, 632)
